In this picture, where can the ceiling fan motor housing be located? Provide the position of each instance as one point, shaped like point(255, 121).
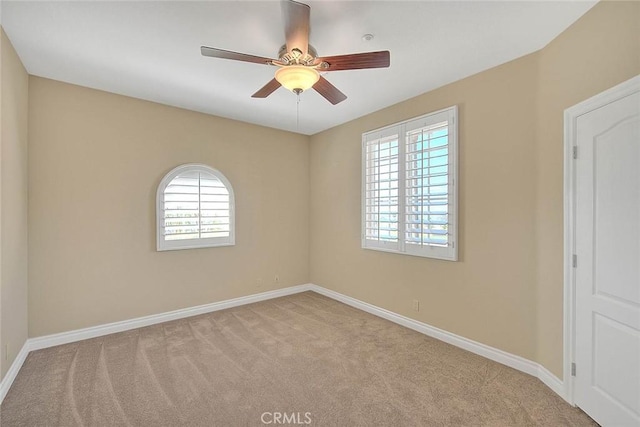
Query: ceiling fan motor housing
point(290, 58)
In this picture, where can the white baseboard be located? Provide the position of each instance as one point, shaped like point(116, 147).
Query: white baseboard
point(110, 328)
point(139, 322)
point(11, 374)
point(500, 356)
point(497, 355)
point(553, 382)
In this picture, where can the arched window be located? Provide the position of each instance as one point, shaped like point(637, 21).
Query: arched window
point(195, 209)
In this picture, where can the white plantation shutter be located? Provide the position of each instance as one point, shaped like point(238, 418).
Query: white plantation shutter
point(409, 192)
point(381, 226)
point(195, 208)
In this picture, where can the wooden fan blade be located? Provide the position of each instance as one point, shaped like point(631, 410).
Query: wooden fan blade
point(357, 61)
point(329, 91)
point(267, 89)
point(296, 25)
point(227, 54)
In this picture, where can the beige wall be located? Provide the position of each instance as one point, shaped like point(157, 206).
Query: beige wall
point(489, 295)
point(599, 51)
point(506, 291)
point(95, 161)
point(13, 205)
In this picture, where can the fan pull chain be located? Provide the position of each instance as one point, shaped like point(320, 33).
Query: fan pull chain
point(298, 113)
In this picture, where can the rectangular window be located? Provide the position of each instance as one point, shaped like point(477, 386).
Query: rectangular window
point(409, 193)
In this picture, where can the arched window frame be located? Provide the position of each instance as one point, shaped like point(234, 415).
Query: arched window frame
point(203, 242)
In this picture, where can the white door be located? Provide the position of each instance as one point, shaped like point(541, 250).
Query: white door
point(607, 275)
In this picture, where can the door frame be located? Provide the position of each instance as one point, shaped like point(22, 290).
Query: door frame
point(571, 116)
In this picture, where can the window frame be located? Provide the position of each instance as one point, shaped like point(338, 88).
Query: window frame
point(401, 129)
point(208, 242)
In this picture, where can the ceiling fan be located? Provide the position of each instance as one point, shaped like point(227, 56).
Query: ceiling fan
point(298, 62)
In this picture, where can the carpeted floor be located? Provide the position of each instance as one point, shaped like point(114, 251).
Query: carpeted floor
point(298, 359)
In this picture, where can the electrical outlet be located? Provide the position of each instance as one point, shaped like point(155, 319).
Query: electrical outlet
point(416, 305)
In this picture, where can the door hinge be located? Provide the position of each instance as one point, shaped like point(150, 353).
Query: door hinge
point(573, 369)
point(575, 151)
point(575, 261)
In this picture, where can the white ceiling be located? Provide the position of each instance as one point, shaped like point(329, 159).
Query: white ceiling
point(151, 49)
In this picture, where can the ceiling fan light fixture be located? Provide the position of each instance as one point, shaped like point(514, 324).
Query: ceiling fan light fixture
point(297, 78)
